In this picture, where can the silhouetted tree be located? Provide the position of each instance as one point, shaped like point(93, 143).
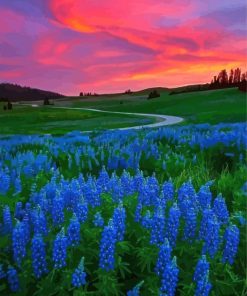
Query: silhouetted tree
point(46, 101)
point(231, 75)
point(223, 78)
point(9, 105)
point(81, 94)
point(153, 94)
point(237, 76)
point(243, 83)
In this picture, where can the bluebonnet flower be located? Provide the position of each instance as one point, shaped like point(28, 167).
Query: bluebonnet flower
point(119, 217)
point(103, 180)
point(163, 258)
point(207, 215)
point(190, 224)
point(74, 231)
point(169, 278)
point(39, 222)
point(186, 197)
point(81, 211)
point(231, 239)
point(173, 224)
point(212, 238)
point(158, 227)
point(13, 279)
point(17, 183)
point(107, 247)
point(7, 220)
point(26, 227)
point(147, 220)
point(138, 212)
point(18, 242)
point(201, 270)
point(4, 182)
point(204, 197)
point(79, 275)
point(57, 211)
point(2, 272)
point(136, 290)
point(38, 256)
point(220, 210)
point(203, 287)
point(98, 220)
point(59, 253)
point(19, 211)
point(168, 190)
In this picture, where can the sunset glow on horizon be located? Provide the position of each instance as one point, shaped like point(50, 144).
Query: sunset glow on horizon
point(108, 46)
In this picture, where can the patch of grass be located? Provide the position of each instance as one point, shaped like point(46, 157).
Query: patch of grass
point(28, 120)
point(214, 106)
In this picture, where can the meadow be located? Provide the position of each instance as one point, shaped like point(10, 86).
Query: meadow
point(135, 212)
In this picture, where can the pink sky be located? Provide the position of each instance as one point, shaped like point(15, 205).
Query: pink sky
point(109, 46)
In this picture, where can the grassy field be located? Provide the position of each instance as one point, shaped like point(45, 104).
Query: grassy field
point(28, 120)
point(227, 105)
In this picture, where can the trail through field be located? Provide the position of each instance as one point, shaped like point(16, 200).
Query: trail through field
point(163, 120)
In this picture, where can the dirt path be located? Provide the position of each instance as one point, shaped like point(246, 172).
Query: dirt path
point(163, 119)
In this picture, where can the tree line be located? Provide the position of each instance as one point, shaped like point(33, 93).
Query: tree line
point(235, 78)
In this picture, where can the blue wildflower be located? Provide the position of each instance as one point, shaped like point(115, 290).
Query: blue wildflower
point(203, 287)
point(169, 278)
point(212, 238)
point(158, 227)
point(81, 211)
point(57, 211)
point(7, 220)
point(79, 275)
point(138, 212)
point(136, 290)
point(19, 243)
point(231, 239)
point(168, 190)
point(190, 224)
point(74, 231)
point(38, 256)
point(119, 217)
point(98, 220)
point(163, 258)
point(220, 209)
point(107, 247)
point(173, 224)
point(13, 279)
point(201, 270)
point(59, 253)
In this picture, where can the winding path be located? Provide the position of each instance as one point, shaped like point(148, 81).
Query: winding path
point(164, 119)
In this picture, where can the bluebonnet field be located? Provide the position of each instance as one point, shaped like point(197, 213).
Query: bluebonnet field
point(157, 212)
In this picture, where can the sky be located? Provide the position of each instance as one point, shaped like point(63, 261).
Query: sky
point(106, 46)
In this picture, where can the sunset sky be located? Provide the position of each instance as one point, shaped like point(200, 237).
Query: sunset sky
point(113, 45)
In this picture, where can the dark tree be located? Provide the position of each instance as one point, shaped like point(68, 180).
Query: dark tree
point(4, 107)
point(231, 75)
point(46, 101)
point(81, 94)
point(237, 76)
point(9, 105)
point(223, 78)
point(153, 94)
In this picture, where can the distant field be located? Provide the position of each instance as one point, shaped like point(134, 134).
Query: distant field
point(28, 120)
point(227, 105)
